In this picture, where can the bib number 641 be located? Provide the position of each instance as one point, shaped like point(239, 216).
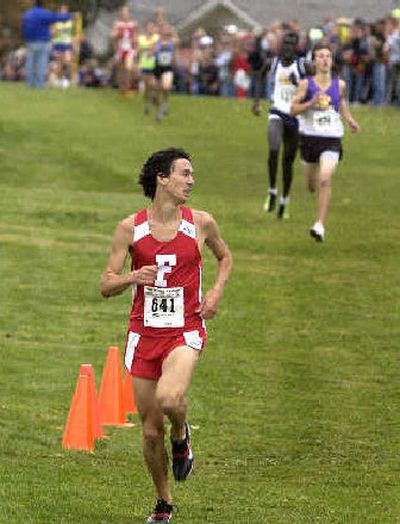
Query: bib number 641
point(163, 307)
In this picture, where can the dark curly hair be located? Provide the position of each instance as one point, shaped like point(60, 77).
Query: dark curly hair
point(159, 164)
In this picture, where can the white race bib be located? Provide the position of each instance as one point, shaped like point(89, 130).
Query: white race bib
point(286, 93)
point(163, 307)
point(165, 58)
point(322, 120)
point(241, 79)
point(126, 43)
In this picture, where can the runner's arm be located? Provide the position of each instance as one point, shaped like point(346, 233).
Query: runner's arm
point(214, 241)
point(113, 281)
point(344, 109)
point(114, 33)
point(298, 106)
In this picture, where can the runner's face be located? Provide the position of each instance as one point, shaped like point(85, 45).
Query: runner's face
point(125, 13)
point(288, 52)
point(323, 61)
point(180, 181)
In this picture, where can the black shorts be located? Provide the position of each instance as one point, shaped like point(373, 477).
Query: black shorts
point(160, 70)
point(312, 147)
point(290, 123)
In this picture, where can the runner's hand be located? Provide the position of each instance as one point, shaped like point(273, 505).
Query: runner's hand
point(145, 276)
point(208, 306)
point(354, 126)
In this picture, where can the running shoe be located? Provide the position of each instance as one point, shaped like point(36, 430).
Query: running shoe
point(318, 232)
point(270, 203)
point(162, 112)
point(162, 512)
point(182, 456)
point(283, 211)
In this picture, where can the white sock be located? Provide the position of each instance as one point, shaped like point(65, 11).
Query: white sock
point(273, 191)
point(284, 200)
point(318, 226)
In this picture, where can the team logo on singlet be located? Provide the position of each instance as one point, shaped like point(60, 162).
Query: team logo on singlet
point(284, 79)
point(163, 305)
point(324, 101)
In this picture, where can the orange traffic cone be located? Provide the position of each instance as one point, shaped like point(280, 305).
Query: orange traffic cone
point(111, 400)
point(87, 369)
point(78, 433)
point(129, 395)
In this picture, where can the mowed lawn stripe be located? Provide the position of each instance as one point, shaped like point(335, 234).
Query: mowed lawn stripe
point(294, 405)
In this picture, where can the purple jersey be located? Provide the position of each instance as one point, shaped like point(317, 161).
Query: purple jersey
point(332, 92)
point(322, 120)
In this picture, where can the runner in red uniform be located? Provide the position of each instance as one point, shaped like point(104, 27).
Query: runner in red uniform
point(124, 34)
point(166, 329)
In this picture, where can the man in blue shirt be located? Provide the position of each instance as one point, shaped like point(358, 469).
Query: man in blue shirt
point(36, 24)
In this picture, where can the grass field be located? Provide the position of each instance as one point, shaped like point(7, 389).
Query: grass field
point(296, 401)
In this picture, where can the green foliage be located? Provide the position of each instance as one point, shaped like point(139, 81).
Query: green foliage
point(295, 401)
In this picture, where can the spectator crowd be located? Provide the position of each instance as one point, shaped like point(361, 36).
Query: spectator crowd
point(367, 57)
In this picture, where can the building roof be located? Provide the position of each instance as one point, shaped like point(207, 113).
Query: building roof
point(186, 15)
point(214, 14)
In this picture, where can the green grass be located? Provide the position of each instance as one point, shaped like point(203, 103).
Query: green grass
point(296, 401)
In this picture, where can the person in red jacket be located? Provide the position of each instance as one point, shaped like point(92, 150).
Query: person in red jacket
point(240, 68)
